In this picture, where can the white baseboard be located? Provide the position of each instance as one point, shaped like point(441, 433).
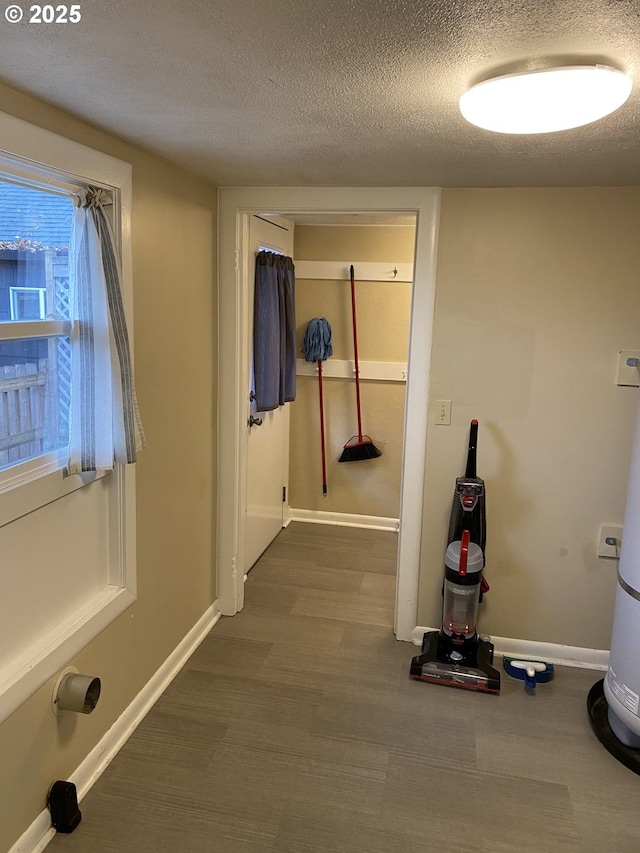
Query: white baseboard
point(37, 836)
point(40, 832)
point(344, 519)
point(575, 656)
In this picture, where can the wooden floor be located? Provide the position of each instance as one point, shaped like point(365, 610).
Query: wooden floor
point(294, 728)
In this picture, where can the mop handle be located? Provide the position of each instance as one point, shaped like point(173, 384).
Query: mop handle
point(324, 461)
point(355, 350)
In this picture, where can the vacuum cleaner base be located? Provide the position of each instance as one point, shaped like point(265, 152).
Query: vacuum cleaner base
point(599, 716)
point(470, 668)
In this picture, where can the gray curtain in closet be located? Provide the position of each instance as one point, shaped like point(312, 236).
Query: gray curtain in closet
point(274, 331)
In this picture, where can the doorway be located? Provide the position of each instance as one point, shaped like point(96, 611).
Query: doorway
point(236, 206)
point(380, 248)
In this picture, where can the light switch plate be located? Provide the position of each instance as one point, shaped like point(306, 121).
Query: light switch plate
point(442, 414)
point(628, 373)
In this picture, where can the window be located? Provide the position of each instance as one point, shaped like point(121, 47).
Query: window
point(67, 540)
point(35, 365)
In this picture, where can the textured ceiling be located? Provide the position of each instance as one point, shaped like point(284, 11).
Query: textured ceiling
point(331, 92)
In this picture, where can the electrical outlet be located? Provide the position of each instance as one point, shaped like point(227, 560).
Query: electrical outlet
point(610, 541)
point(628, 367)
point(442, 412)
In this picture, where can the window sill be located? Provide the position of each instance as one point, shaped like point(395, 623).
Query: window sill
point(41, 488)
point(40, 662)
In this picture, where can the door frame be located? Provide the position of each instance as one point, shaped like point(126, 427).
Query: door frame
point(235, 206)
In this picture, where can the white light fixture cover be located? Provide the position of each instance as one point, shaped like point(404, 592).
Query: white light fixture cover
point(545, 101)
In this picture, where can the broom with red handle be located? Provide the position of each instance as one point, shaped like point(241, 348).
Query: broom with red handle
point(359, 446)
point(322, 450)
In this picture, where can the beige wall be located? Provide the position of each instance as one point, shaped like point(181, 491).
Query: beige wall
point(174, 239)
point(537, 290)
point(370, 487)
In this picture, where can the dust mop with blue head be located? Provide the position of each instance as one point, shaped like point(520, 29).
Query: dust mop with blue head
point(317, 347)
point(532, 672)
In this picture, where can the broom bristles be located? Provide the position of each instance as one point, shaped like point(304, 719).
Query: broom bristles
point(355, 450)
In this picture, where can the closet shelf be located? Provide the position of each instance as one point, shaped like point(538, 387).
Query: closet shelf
point(365, 271)
point(372, 371)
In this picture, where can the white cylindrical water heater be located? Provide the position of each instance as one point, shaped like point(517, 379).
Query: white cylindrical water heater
point(622, 682)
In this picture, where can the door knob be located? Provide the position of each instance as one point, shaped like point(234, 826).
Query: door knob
point(254, 421)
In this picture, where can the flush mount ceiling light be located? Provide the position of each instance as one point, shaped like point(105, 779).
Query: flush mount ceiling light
point(545, 101)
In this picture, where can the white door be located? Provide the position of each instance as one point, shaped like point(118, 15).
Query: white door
point(268, 432)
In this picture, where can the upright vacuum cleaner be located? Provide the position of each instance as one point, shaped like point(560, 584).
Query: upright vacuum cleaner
point(456, 655)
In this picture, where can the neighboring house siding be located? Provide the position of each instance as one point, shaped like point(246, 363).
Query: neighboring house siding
point(48, 223)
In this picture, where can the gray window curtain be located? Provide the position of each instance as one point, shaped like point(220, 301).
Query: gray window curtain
point(105, 422)
point(274, 331)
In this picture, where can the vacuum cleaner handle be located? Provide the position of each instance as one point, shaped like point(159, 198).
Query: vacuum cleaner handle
point(464, 553)
point(471, 454)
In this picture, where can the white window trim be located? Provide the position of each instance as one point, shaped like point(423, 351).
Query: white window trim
point(28, 152)
point(24, 329)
